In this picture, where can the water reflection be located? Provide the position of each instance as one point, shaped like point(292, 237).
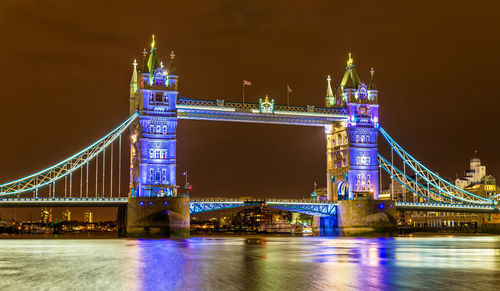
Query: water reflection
point(251, 263)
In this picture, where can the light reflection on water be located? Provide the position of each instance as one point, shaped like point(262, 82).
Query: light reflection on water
point(238, 263)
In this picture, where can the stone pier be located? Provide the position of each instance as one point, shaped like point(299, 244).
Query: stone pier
point(158, 217)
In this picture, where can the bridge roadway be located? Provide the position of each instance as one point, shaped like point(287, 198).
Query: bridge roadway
point(197, 205)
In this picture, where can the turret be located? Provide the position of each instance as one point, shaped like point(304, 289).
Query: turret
point(133, 89)
point(330, 100)
point(155, 67)
point(153, 149)
point(172, 73)
point(372, 88)
point(350, 81)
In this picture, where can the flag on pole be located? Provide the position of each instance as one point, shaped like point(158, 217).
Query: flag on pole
point(288, 88)
point(185, 173)
point(247, 83)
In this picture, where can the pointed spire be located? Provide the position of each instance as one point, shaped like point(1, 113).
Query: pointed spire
point(134, 73)
point(133, 80)
point(154, 60)
point(372, 85)
point(330, 98)
point(329, 92)
point(350, 61)
point(351, 79)
point(171, 68)
point(144, 61)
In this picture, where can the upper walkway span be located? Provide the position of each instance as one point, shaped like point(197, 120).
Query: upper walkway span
point(220, 110)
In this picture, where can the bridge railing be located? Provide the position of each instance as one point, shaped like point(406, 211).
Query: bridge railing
point(250, 106)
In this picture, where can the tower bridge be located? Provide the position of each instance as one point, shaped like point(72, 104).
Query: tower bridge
point(152, 205)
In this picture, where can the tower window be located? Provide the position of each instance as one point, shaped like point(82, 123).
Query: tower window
point(164, 129)
point(158, 96)
point(151, 128)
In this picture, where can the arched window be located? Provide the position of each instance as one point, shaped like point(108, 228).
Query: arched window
point(357, 138)
point(164, 129)
point(158, 176)
point(362, 139)
point(151, 128)
point(158, 129)
point(367, 138)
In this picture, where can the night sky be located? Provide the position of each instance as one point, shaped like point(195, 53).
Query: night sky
point(66, 70)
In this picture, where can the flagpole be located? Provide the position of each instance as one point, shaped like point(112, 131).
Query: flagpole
point(243, 88)
point(287, 95)
point(186, 177)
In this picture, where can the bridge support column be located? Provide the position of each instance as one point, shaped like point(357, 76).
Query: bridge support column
point(158, 217)
point(367, 217)
point(121, 221)
point(325, 225)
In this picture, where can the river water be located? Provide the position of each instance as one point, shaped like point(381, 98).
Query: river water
point(252, 263)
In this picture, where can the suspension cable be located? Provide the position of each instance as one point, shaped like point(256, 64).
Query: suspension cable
point(87, 181)
point(111, 179)
point(70, 184)
point(103, 170)
point(96, 173)
point(406, 157)
point(119, 165)
point(81, 181)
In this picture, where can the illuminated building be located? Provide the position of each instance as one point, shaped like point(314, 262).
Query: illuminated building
point(88, 216)
point(476, 181)
point(352, 170)
point(252, 219)
point(153, 92)
point(46, 215)
point(66, 215)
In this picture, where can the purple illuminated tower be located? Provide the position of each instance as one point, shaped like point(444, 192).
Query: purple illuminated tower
point(153, 93)
point(352, 170)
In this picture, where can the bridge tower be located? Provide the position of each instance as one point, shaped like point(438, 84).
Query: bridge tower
point(352, 170)
point(153, 93)
point(154, 209)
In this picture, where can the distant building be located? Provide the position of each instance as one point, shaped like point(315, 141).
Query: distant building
point(66, 215)
point(88, 216)
point(252, 219)
point(476, 180)
point(46, 215)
